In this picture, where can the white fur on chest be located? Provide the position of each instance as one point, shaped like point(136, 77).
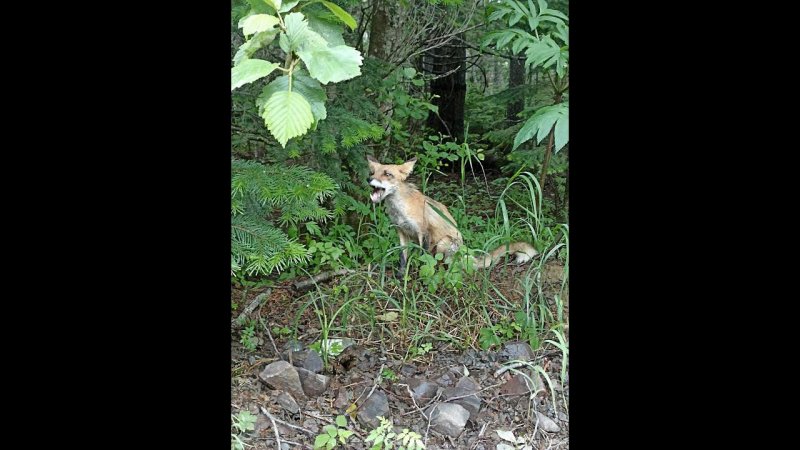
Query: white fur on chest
point(398, 214)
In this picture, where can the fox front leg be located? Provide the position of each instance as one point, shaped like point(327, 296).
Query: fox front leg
point(403, 255)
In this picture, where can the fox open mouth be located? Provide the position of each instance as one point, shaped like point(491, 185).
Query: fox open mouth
point(377, 194)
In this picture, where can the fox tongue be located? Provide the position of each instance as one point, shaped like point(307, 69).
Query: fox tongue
point(375, 196)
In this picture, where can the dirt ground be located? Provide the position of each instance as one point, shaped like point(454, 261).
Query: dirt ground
point(504, 400)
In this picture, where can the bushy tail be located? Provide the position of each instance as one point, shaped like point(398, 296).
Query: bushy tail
point(522, 250)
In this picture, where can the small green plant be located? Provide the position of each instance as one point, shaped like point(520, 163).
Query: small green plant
point(333, 435)
point(242, 423)
point(383, 438)
point(248, 336)
point(520, 328)
point(389, 374)
point(281, 331)
point(421, 350)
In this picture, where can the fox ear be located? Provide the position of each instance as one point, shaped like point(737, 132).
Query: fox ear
point(408, 166)
point(373, 163)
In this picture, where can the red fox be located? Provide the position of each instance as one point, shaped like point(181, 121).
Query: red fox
point(416, 218)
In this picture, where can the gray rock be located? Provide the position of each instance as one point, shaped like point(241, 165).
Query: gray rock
point(376, 405)
point(288, 402)
point(308, 359)
point(408, 370)
point(546, 423)
point(517, 350)
point(448, 418)
point(516, 385)
point(313, 384)
point(281, 375)
point(422, 390)
point(342, 399)
point(465, 386)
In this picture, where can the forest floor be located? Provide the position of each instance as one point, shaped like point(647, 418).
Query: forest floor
point(503, 401)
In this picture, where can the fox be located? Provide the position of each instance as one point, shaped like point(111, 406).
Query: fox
point(416, 219)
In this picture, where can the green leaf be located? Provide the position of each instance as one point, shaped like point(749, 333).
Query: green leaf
point(409, 72)
point(330, 31)
point(331, 64)
point(330, 429)
point(341, 421)
point(286, 7)
point(259, 22)
point(303, 84)
point(426, 271)
point(296, 27)
point(276, 4)
point(541, 123)
point(321, 440)
point(346, 18)
point(557, 13)
point(287, 115)
point(258, 41)
point(250, 70)
point(561, 133)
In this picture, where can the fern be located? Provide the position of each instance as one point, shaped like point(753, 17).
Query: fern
point(261, 194)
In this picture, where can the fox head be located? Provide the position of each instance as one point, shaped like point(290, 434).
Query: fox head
point(386, 178)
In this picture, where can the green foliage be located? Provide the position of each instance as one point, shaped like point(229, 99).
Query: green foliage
point(383, 438)
point(389, 374)
point(262, 195)
point(248, 336)
point(333, 435)
point(291, 107)
point(241, 423)
point(521, 328)
point(541, 52)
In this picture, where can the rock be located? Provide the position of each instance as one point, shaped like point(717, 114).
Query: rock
point(281, 375)
point(308, 359)
point(342, 401)
point(448, 418)
point(408, 370)
point(546, 423)
point(313, 384)
point(376, 405)
point(517, 350)
point(516, 385)
point(288, 402)
point(465, 386)
point(422, 390)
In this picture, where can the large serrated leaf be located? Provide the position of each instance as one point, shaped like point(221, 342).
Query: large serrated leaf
point(258, 41)
point(296, 26)
point(250, 70)
point(331, 64)
point(346, 18)
point(540, 124)
point(287, 115)
point(301, 83)
point(287, 6)
point(259, 22)
point(330, 31)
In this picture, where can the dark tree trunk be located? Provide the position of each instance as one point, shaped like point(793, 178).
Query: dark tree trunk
point(516, 77)
point(451, 89)
point(379, 31)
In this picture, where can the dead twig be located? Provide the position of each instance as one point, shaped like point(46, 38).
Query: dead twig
point(274, 427)
point(275, 419)
point(252, 306)
point(324, 276)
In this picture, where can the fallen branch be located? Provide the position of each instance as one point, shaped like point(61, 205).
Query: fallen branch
point(274, 427)
point(324, 276)
point(271, 417)
point(252, 306)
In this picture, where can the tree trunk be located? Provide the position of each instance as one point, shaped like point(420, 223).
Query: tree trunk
point(379, 31)
point(516, 77)
point(451, 89)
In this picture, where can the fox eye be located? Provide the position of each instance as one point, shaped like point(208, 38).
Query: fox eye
point(386, 172)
